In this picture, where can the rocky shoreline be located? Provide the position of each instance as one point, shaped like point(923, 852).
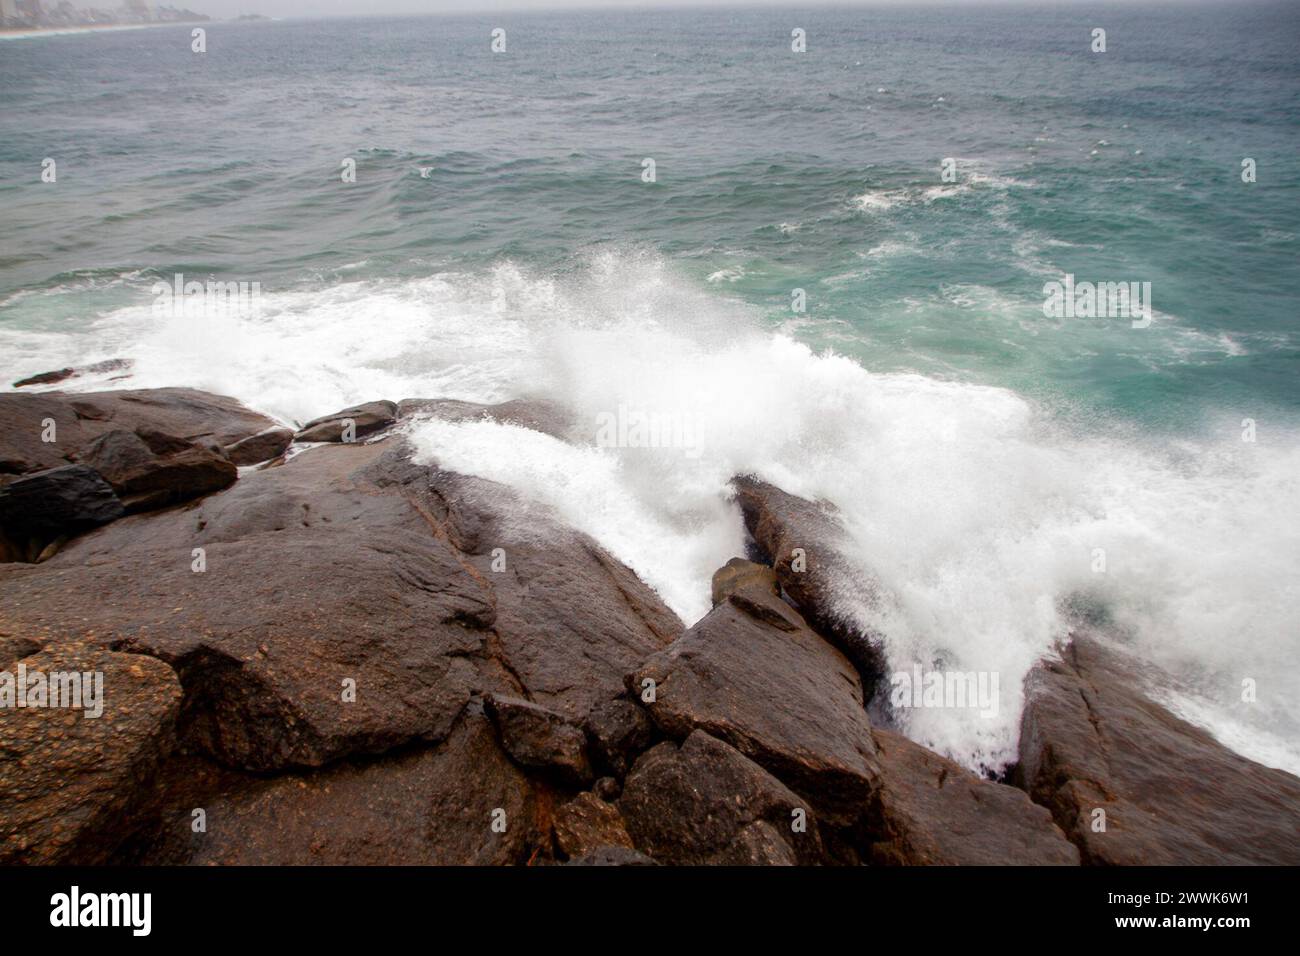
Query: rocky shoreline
point(316, 650)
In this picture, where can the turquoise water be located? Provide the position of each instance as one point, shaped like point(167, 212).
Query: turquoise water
point(228, 163)
point(499, 240)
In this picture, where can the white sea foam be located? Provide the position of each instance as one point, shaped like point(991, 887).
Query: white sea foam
point(979, 516)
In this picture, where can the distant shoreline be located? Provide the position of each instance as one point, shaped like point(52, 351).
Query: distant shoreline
point(25, 32)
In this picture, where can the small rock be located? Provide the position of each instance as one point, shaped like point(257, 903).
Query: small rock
point(587, 823)
point(607, 788)
point(264, 446)
point(366, 419)
point(538, 737)
point(618, 730)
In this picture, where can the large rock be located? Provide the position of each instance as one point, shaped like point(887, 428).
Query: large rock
point(74, 420)
point(804, 541)
point(329, 619)
point(66, 500)
point(769, 686)
point(568, 615)
point(432, 806)
point(705, 803)
point(149, 469)
point(339, 611)
point(1091, 740)
point(71, 784)
point(350, 424)
point(931, 811)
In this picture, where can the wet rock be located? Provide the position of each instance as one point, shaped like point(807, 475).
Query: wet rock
point(72, 421)
point(149, 469)
point(803, 540)
point(541, 738)
point(1091, 741)
point(63, 374)
point(433, 806)
point(930, 811)
point(264, 446)
point(350, 424)
point(586, 824)
point(739, 576)
point(696, 804)
point(618, 730)
point(780, 695)
point(570, 620)
point(46, 378)
point(66, 500)
point(540, 415)
point(329, 619)
point(337, 612)
point(71, 784)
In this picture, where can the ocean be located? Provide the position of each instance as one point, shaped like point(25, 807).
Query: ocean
point(836, 281)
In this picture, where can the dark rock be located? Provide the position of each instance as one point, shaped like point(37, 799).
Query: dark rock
point(46, 378)
point(312, 579)
point(568, 615)
point(613, 856)
point(63, 374)
point(150, 469)
point(70, 784)
point(433, 806)
point(540, 415)
point(261, 447)
point(783, 697)
point(538, 737)
point(695, 804)
point(1091, 740)
point(930, 811)
point(587, 823)
point(79, 418)
point(780, 523)
point(618, 730)
point(365, 420)
point(607, 788)
point(64, 500)
point(345, 565)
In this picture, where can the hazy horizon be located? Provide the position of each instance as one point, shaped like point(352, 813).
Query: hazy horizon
point(357, 8)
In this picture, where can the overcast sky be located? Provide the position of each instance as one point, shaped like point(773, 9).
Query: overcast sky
point(322, 8)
